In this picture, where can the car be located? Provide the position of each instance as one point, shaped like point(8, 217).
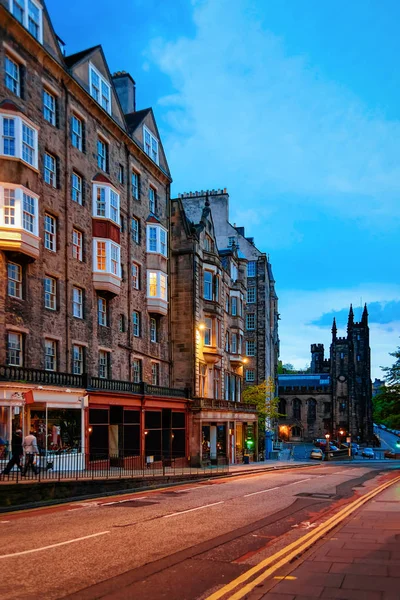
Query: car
point(368, 453)
point(317, 454)
point(320, 443)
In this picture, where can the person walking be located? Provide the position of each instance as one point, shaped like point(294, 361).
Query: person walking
point(16, 452)
point(30, 448)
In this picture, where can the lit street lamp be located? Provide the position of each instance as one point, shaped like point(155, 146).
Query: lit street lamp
point(327, 437)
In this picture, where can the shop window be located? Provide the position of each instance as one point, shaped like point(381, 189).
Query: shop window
point(60, 431)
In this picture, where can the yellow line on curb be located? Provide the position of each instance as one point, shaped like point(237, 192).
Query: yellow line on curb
point(293, 550)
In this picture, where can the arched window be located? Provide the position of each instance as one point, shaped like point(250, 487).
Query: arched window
point(282, 407)
point(297, 409)
point(296, 431)
point(312, 410)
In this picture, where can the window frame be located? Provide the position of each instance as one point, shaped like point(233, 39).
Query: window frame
point(15, 77)
point(77, 248)
point(135, 231)
point(112, 212)
point(135, 187)
point(49, 110)
point(21, 148)
point(77, 191)
point(135, 276)
point(152, 200)
point(151, 148)
point(26, 17)
point(155, 244)
point(234, 306)
point(102, 157)
point(50, 293)
point(104, 363)
point(250, 321)
point(77, 135)
point(137, 370)
point(80, 361)
point(155, 373)
point(50, 234)
point(136, 324)
point(109, 248)
point(160, 289)
point(77, 302)
point(47, 355)
point(18, 282)
point(17, 349)
point(248, 345)
point(103, 83)
point(253, 268)
point(153, 330)
point(50, 169)
point(102, 315)
point(251, 298)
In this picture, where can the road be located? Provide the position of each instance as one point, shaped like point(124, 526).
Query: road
point(175, 543)
point(388, 440)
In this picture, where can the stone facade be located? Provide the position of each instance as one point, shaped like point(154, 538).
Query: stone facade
point(337, 395)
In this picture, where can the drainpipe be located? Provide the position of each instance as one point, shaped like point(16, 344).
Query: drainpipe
point(129, 265)
point(66, 206)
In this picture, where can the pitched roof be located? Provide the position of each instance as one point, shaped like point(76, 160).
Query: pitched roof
point(134, 119)
point(72, 59)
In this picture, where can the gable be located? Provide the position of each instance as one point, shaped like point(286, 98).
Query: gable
point(50, 39)
point(140, 120)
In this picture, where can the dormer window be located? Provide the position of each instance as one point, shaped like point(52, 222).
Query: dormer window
point(29, 14)
point(100, 90)
point(156, 239)
point(150, 144)
point(106, 203)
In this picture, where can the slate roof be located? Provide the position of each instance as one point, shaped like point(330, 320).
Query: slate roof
point(72, 59)
point(306, 380)
point(134, 119)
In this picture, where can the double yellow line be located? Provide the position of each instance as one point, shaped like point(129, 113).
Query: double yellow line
point(284, 556)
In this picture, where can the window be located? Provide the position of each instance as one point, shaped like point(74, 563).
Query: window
point(76, 188)
point(12, 75)
point(29, 14)
point(234, 343)
point(250, 321)
point(49, 232)
point(152, 200)
point(135, 230)
point(50, 355)
point(9, 207)
point(29, 214)
point(103, 364)
point(227, 302)
point(102, 311)
point(217, 384)
point(231, 241)
point(153, 329)
point(14, 349)
point(77, 302)
point(251, 295)
point(135, 276)
point(121, 174)
point(106, 203)
point(77, 359)
point(122, 327)
point(150, 144)
point(156, 239)
point(135, 185)
point(9, 137)
point(137, 370)
point(234, 303)
point(102, 155)
point(208, 332)
point(240, 344)
point(250, 375)
point(155, 373)
point(208, 277)
point(49, 107)
point(202, 381)
point(157, 286)
point(77, 132)
point(227, 341)
point(50, 293)
point(136, 323)
point(251, 268)
point(106, 257)
point(208, 244)
point(234, 271)
point(50, 174)
point(14, 280)
point(250, 348)
point(296, 409)
point(99, 89)
point(18, 139)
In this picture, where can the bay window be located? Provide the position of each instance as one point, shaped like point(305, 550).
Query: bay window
point(157, 285)
point(106, 257)
point(19, 208)
point(106, 203)
point(18, 139)
point(156, 239)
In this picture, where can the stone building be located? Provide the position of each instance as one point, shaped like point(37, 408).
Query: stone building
point(208, 299)
point(84, 251)
point(337, 394)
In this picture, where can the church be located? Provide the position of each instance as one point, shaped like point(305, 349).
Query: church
point(335, 397)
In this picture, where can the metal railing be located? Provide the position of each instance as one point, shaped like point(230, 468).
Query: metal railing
point(94, 466)
point(212, 404)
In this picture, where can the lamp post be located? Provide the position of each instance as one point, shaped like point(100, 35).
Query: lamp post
point(327, 437)
point(341, 433)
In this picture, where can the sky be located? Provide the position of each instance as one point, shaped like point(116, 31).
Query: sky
point(294, 107)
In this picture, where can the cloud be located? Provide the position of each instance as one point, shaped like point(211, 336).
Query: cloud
point(382, 313)
point(270, 123)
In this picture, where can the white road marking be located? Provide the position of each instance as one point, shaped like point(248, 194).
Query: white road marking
point(4, 521)
point(192, 509)
point(121, 501)
point(301, 481)
point(86, 537)
point(262, 491)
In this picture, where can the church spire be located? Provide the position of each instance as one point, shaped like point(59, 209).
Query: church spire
point(350, 321)
point(334, 329)
point(364, 318)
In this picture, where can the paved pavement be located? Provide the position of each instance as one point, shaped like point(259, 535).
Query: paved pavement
point(360, 560)
point(176, 543)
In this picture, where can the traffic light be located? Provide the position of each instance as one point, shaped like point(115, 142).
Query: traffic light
point(398, 444)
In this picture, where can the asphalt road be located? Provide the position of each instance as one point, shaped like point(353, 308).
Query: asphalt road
point(388, 440)
point(176, 543)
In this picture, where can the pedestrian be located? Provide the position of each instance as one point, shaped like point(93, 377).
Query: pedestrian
point(30, 448)
point(16, 452)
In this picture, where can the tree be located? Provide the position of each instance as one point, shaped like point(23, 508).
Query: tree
point(387, 401)
point(263, 396)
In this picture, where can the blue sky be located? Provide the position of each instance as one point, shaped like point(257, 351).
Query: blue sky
point(294, 107)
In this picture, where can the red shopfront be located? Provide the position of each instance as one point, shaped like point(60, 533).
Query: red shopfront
point(124, 426)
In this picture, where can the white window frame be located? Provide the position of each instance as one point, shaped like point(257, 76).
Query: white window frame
point(50, 344)
point(251, 268)
point(25, 21)
point(136, 323)
point(135, 276)
point(104, 364)
point(208, 331)
point(137, 370)
point(78, 353)
point(50, 169)
point(19, 209)
point(16, 281)
point(157, 244)
point(234, 306)
point(135, 179)
point(12, 75)
point(208, 284)
point(155, 373)
point(153, 330)
point(251, 321)
point(152, 199)
point(102, 154)
point(250, 344)
point(157, 284)
point(14, 349)
point(104, 99)
point(50, 232)
point(111, 250)
point(49, 107)
point(150, 144)
point(76, 188)
point(21, 147)
point(250, 375)
point(111, 211)
point(50, 292)
point(77, 302)
point(77, 244)
point(102, 316)
point(77, 132)
point(135, 230)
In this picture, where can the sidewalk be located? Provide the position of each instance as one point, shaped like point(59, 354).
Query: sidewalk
point(360, 560)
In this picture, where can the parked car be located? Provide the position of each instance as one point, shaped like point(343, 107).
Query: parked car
point(320, 443)
point(317, 454)
point(368, 453)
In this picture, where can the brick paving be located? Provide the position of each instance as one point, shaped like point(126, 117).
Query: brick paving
point(358, 561)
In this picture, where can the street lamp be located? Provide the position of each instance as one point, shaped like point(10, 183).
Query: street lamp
point(327, 437)
point(341, 433)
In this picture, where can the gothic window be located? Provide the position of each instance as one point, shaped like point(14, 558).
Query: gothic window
point(312, 410)
point(296, 431)
point(282, 407)
point(297, 409)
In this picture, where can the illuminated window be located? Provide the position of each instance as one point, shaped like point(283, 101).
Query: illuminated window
point(157, 286)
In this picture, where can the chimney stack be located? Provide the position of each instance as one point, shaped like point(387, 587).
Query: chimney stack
point(126, 90)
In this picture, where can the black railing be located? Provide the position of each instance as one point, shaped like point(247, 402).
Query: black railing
point(68, 466)
point(85, 381)
point(212, 404)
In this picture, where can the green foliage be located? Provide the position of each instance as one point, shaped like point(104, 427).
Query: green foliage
point(387, 402)
point(288, 369)
point(263, 396)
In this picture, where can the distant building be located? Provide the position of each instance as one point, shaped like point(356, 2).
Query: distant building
point(336, 395)
point(376, 386)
